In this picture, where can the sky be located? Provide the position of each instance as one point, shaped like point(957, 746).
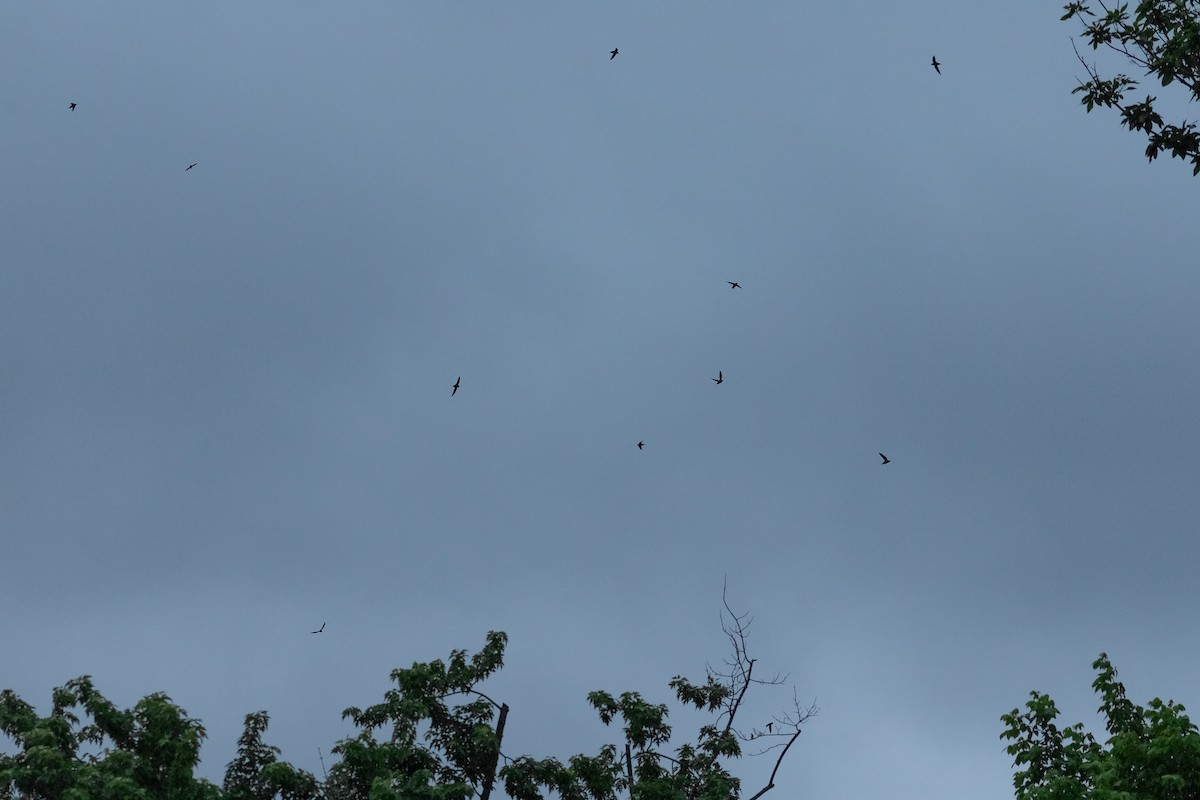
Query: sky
point(225, 393)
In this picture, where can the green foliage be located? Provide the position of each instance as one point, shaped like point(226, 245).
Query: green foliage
point(1152, 753)
point(435, 736)
point(436, 747)
point(256, 773)
point(148, 752)
point(1161, 37)
point(696, 770)
point(153, 749)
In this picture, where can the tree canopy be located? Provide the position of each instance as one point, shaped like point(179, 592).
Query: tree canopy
point(1163, 38)
point(1152, 752)
point(434, 736)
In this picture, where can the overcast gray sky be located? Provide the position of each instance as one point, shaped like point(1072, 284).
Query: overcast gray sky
point(225, 411)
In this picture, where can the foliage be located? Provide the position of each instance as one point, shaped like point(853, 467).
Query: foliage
point(1152, 753)
point(1161, 37)
point(434, 736)
point(149, 751)
point(145, 753)
point(256, 774)
point(696, 771)
point(459, 750)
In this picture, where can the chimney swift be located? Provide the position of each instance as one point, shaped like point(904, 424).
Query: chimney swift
point(641, 445)
point(320, 629)
point(937, 67)
point(734, 284)
point(886, 460)
point(454, 388)
point(720, 377)
point(614, 54)
point(192, 166)
point(73, 106)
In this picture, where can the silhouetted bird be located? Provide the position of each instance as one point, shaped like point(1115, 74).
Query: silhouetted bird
point(720, 377)
point(734, 284)
point(614, 54)
point(320, 629)
point(73, 106)
point(641, 445)
point(769, 724)
point(886, 460)
point(936, 65)
point(454, 388)
point(192, 166)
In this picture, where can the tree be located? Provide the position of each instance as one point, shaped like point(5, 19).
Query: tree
point(1163, 38)
point(148, 752)
point(256, 774)
point(695, 771)
point(1152, 753)
point(442, 745)
point(434, 736)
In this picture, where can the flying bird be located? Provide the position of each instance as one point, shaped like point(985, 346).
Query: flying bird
point(192, 166)
point(641, 445)
point(886, 460)
point(937, 67)
point(320, 629)
point(73, 106)
point(734, 284)
point(614, 54)
point(454, 388)
point(720, 377)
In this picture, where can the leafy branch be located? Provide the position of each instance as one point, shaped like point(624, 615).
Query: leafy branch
point(1163, 38)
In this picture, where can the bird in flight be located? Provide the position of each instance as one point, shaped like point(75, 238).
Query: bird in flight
point(613, 54)
point(320, 629)
point(73, 106)
point(886, 460)
point(641, 445)
point(720, 377)
point(454, 388)
point(734, 284)
point(936, 66)
point(192, 166)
